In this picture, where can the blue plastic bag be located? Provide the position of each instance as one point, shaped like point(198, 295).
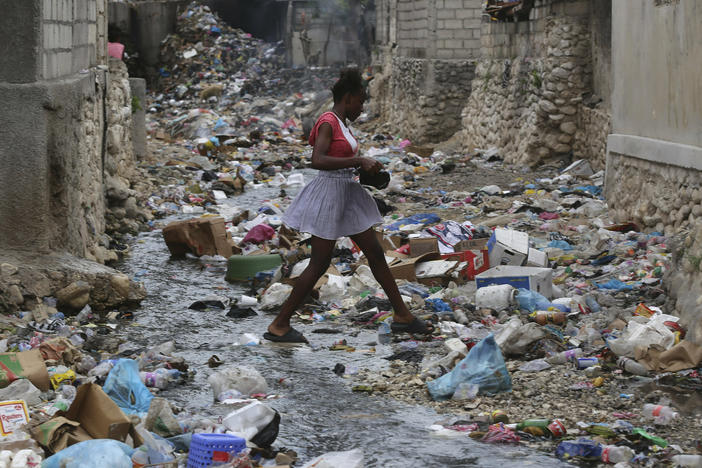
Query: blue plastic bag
point(531, 300)
point(437, 305)
point(105, 453)
point(560, 244)
point(615, 284)
point(483, 366)
point(125, 387)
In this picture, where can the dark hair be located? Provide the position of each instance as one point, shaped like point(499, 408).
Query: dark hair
point(349, 81)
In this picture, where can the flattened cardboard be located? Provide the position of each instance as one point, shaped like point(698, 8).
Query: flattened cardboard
point(199, 236)
point(405, 269)
point(24, 365)
point(422, 245)
point(98, 414)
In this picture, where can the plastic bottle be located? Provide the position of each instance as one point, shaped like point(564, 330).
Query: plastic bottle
point(84, 314)
point(659, 413)
point(542, 317)
point(688, 460)
point(160, 378)
point(615, 454)
point(565, 356)
point(631, 366)
point(140, 458)
point(592, 304)
point(384, 333)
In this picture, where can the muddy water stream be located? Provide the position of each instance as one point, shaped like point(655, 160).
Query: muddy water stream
point(319, 411)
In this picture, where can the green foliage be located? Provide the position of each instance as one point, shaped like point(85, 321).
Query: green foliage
point(536, 79)
point(695, 261)
point(136, 104)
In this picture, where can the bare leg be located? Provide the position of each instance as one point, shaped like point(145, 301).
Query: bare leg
point(368, 242)
point(322, 250)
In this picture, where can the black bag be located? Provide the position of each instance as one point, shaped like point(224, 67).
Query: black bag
point(379, 180)
point(268, 434)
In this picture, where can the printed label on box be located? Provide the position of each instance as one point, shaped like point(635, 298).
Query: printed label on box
point(13, 415)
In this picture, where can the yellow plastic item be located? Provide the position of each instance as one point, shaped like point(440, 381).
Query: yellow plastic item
point(58, 379)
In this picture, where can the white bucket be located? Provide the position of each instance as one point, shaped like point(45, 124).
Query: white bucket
point(498, 297)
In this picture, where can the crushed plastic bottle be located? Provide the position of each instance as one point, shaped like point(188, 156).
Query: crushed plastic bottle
point(660, 414)
point(617, 454)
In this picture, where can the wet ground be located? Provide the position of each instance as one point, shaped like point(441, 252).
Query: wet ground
point(320, 412)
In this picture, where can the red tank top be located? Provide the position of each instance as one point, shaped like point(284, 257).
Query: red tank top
point(343, 144)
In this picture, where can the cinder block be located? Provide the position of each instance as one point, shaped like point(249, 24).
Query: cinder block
point(444, 34)
point(92, 33)
point(471, 44)
point(453, 4)
point(471, 23)
point(463, 13)
point(473, 4)
point(454, 44)
point(64, 63)
point(92, 11)
point(446, 14)
point(454, 23)
point(444, 53)
point(46, 10)
point(47, 32)
point(463, 34)
point(49, 65)
point(580, 8)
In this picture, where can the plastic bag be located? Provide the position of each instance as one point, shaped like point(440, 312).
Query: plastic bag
point(125, 387)
point(104, 453)
point(349, 459)
point(275, 295)
point(244, 379)
point(531, 300)
point(483, 366)
point(515, 337)
point(250, 420)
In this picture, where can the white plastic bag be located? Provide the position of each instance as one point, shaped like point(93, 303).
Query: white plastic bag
point(244, 379)
point(275, 295)
point(349, 459)
point(248, 421)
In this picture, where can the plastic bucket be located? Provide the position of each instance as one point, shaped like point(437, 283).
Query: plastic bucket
point(245, 267)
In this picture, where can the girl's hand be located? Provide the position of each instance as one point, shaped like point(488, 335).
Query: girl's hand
point(370, 165)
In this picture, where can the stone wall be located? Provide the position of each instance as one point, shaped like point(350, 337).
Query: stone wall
point(424, 98)
point(533, 89)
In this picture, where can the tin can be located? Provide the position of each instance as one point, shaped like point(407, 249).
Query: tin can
point(557, 428)
point(585, 362)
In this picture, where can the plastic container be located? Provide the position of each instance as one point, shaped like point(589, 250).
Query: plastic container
point(616, 454)
point(384, 333)
point(498, 297)
point(631, 366)
point(565, 356)
point(660, 414)
point(244, 267)
point(585, 362)
point(249, 420)
point(209, 449)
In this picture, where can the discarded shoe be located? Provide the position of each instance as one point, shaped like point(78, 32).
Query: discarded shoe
point(292, 336)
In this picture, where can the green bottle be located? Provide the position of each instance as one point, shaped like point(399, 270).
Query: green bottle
point(542, 423)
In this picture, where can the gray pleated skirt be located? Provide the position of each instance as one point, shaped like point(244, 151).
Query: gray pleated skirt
point(333, 205)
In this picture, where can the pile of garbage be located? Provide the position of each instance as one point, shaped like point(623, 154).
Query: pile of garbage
point(73, 394)
point(534, 293)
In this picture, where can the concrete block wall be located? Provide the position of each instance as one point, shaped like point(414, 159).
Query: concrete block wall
point(69, 32)
point(413, 28)
point(458, 28)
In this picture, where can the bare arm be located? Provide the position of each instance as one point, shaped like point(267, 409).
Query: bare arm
point(321, 161)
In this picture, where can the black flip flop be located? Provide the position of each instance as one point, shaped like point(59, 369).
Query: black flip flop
point(291, 336)
point(416, 327)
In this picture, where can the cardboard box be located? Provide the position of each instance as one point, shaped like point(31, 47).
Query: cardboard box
point(508, 247)
point(13, 415)
point(423, 245)
point(405, 269)
point(472, 262)
point(472, 244)
point(535, 279)
point(435, 272)
point(537, 258)
point(199, 236)
point(92, 415)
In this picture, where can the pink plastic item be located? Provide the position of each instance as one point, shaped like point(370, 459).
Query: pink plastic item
point(115, 49)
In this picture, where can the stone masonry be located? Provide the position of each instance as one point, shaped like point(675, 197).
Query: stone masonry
point(424, 64)
point(532, 92)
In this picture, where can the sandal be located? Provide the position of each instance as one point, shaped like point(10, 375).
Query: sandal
point(416, 326)
point(291, 336)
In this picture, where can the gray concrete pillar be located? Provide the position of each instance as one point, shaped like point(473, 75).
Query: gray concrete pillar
point(138, 90)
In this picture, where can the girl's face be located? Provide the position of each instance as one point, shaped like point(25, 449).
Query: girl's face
point(354, 104)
